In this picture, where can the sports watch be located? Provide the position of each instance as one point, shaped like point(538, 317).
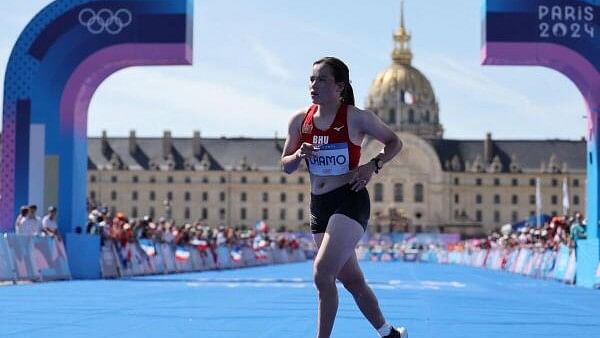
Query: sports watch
point(378, 164)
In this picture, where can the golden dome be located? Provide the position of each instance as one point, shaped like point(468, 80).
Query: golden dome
point(401, 76)
point(405, 78)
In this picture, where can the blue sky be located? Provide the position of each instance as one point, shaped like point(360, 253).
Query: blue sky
point(253, 58)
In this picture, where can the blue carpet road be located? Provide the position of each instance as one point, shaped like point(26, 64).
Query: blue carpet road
point(433, 301)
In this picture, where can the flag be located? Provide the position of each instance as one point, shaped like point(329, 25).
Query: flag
point(260, 254)
point(261, 226)
point(148, 247)
point(181, 254)
point(407, 97)
point(565, 201)
point(236, 255)
point(538, 201)
point(200, 244)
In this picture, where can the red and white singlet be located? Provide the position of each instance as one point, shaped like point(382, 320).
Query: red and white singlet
point(337, 155)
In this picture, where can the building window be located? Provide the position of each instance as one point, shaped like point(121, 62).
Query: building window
point(204, 196)
point(221, 214)
point(478, 181)
point(496, 199)
point(169, 195)
point(283, 180)
point(265, 197)
point(222, 196)
point(532, 213)
point(514, 199)
point(93, 178)
point(113, 195)
point(151, 212)
point(575, 182)
point(282, 197)
point(152, 179)
point(243, 213)
point(152, 196)
point(456, 181)
point(554, 199)
point(392, 119)
point(244, 180)
point(496, 181)
point(554, 182)
point(301, 180)
point(478, 216)
point(515, 182)
point(478, 199)
point(378, 192)
point(532, 182)
point(300, 214)
point(456, 214)
point(300, 197)
point(515, 216)
point(411, 116)
point(398, 192)
point(134, 212)
point(204, 179)
point(204, 213)
point(496, 216)
point(531, 199)
point(134, 195)
point(188, 179)
point(265, 213)
point(575, 199)
point(265, 179)
point(243, 197)
point(187, 196)
point(282, 214)
point(456, 198)
point(223, 179)
point(419, 193)
point(186, 213)
point(169, 179)
point(93, 194)
point(113, 179)
point(135, 179)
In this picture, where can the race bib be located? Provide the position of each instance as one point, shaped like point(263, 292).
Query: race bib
point(330, 160)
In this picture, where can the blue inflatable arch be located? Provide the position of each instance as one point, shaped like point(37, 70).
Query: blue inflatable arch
point(564, 36)
point(57, 64)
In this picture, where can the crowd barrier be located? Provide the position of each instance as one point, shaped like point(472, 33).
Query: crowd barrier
point(39, 258)
point(32, 258)
point(146, 258)
point(560, 265)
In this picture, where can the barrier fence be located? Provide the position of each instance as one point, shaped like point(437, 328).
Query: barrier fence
point(560, 265)
point(40, 258)
point(32, 258)
point(147, 257)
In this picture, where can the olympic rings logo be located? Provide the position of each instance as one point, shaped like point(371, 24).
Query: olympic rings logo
point(105, 20)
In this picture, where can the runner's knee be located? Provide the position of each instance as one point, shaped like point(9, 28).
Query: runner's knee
point(323, 278)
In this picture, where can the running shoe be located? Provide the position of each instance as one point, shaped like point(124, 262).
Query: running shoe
point(400, 332)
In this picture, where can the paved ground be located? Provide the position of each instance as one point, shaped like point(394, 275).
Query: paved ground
point(433, 301)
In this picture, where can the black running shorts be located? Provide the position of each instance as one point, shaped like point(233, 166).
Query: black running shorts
point(343, 200)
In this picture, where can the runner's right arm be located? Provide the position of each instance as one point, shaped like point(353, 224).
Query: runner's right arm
point(294, 151)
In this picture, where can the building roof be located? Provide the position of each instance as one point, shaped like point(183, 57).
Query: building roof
point(155, 153)
point(523, 155)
